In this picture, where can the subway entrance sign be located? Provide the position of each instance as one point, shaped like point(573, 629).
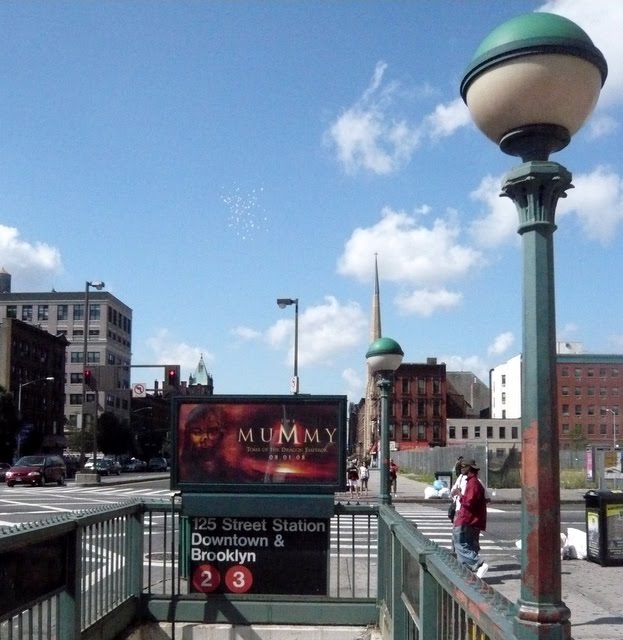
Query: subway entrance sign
point(257, 476)
point(259, 555)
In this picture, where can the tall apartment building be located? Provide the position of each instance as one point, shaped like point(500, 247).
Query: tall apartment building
point(109, 342)
point(588, 395)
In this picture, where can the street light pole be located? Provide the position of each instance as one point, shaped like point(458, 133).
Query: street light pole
point(531, 85)
point(384, 357)
point(96, 284)
point(614, 427)
point(19, 406)
point(283, 303)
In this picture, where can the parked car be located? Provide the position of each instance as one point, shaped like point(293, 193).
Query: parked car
point(4, 467)
point(134, 464)
point(107, 467)
point(116, 465)
point(37, 470)
point(157, 464)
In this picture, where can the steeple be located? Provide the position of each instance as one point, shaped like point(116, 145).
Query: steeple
point(201, 375)
point(371, 412)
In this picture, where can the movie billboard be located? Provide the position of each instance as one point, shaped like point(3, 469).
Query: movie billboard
point(271, 444)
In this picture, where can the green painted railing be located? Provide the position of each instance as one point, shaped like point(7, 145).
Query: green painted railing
point(93, 574)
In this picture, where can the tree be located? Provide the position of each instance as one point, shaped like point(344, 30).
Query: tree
point(8, 425)
point(113, 436)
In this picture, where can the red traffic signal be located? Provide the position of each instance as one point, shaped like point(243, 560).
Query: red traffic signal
point(89, 380)
point(171, 376)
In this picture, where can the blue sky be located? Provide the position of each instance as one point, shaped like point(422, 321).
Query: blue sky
point(206, 158)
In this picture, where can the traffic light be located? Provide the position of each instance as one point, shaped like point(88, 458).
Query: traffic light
point(171, 377)
point(89, 379)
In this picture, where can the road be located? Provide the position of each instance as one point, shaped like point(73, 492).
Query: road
point(25, 504)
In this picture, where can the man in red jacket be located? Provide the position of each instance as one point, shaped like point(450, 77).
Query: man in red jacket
point(470, 519)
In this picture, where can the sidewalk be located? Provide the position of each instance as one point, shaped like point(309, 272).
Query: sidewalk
point(593, 593)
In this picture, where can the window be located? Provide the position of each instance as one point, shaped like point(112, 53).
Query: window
point(565, 391)
point(565, 372)
point(436, 386)
point(421, 386)
point(27, 313)
point(406, 407)
point(477, 432)
point(465, 433)
point(504, 397)
point(578, 409)
point(603, 392)
point(452, 433)
point(591, 429)
point(502, 433)
point(76, 357)
point(602, 429)
point(42, 313)
point(93, 357)
point(590, 391)
point(565, 429)
point(61, 312)
point(578, 392)
point(391, 431)
point(75, 378)
point(590, 372)
point(94, 333)
point(406, 431)
point(514, 433)
point(615, 372)
point(94, 311)
point(565, 409)
point(75, 398)
point(577, 373)
point(436, 431)
point(590, 410)
point(436, 407)
point(602, 372)
point(503, 379)
point(614, 392)
point(421, 431)
point(405, 385)
point(489, 432)
point(421, 407)
point(504, 414)
point(78, 312)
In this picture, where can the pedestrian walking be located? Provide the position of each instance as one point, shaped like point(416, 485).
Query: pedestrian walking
point(470, 518)
point(364, 475)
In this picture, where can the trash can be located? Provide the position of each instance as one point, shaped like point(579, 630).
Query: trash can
point(445, 477)
point(604, 527)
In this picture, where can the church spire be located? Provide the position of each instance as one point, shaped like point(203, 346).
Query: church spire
point(375, 324)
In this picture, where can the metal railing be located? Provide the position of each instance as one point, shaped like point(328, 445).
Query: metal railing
point(93, 574)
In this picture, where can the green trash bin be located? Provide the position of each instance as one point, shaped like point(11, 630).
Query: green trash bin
point(604, 527)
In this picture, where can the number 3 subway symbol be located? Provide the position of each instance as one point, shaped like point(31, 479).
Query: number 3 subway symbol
point(206, 578)
point(238, 579)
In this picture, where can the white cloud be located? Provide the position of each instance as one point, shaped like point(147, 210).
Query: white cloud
point(166, 350)
point(325, 331)
point(30, 262)
point(601, 126)
point(501, 344)
point(425, 302)
point(499, 221)
point(409, 252)
point(368, 135)
point(597, 201)
point(355, 383)
point(474, 364)
point(447, 118)
point(246, 333)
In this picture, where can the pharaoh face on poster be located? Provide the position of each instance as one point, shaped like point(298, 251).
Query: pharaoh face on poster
point(264, 441)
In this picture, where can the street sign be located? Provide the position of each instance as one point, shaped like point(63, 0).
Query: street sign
point(139, 390)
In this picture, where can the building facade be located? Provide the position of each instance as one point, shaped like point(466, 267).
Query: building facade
point(108, 345)
point(499, 436)
point(588, 396)
point(32, 368)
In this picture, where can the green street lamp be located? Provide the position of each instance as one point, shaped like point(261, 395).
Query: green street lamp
point(384, 357)
point(531, 85)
